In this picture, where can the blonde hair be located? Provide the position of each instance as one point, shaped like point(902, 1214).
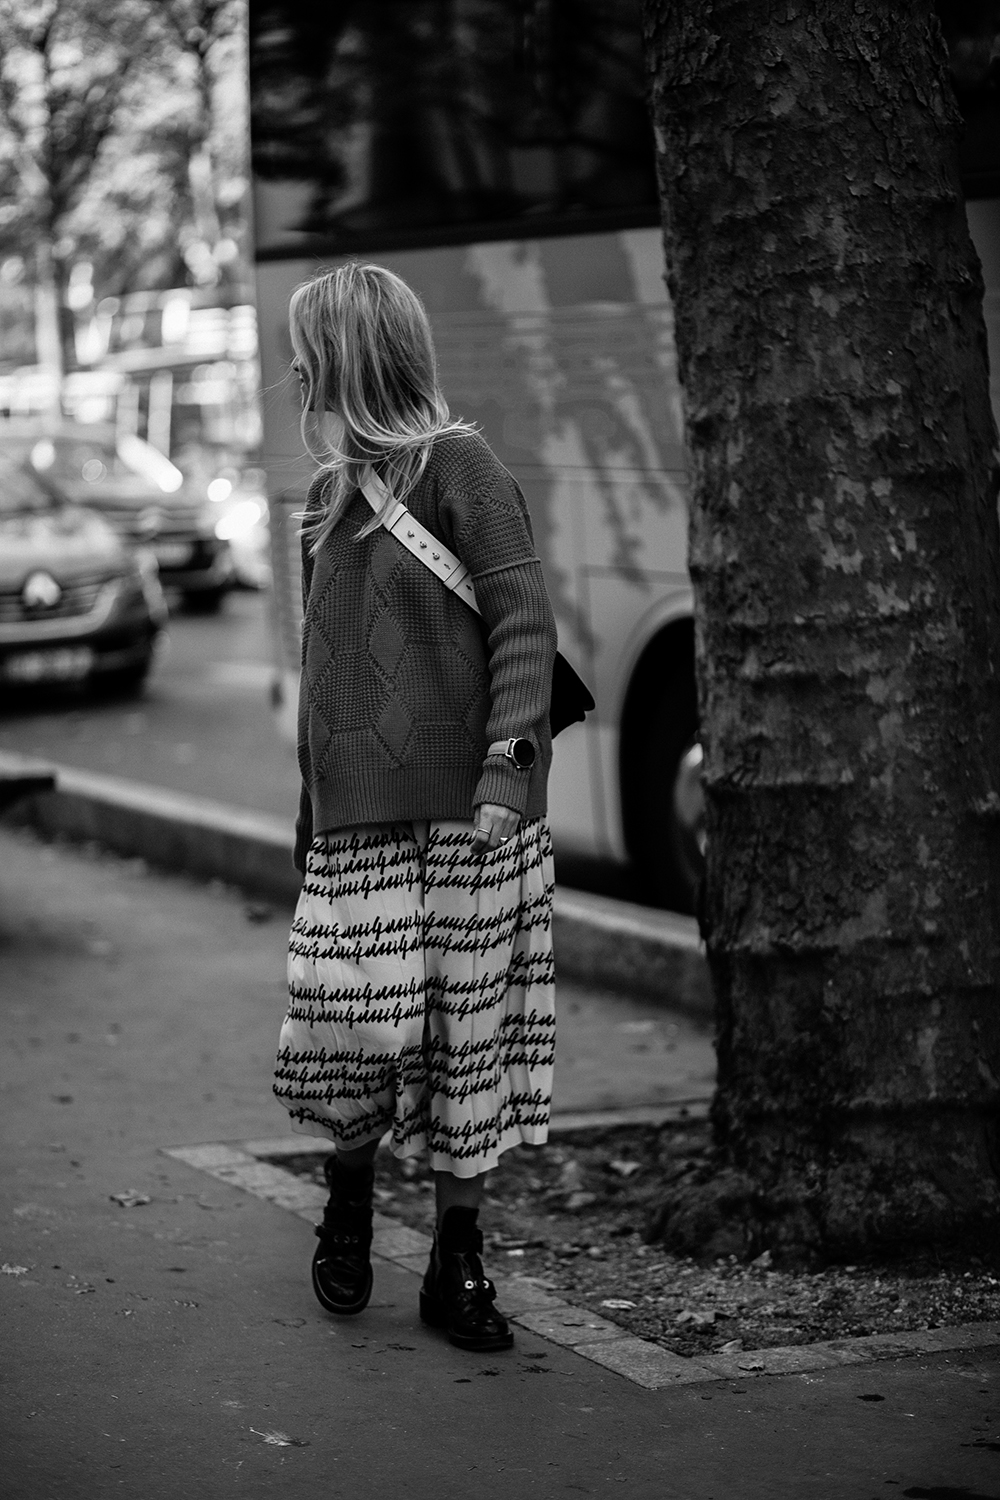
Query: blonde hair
point(364, 352)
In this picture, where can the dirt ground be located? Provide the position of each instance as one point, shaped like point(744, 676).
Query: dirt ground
point(574, 1215)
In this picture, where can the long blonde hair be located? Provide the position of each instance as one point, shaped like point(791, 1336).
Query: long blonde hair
point(364, 352)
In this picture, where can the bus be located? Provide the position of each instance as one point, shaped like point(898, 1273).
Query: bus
point(498, 155)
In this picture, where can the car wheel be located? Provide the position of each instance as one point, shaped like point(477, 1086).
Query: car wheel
point(204, 601)
point(667, 807)
point(127, 682)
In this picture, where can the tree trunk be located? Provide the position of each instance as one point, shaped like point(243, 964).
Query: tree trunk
point(48, 331)
point(846, 569)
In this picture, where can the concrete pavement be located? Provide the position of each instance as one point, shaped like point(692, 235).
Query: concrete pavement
point(173, 1348)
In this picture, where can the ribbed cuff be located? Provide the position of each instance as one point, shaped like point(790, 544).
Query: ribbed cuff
point(502, 783)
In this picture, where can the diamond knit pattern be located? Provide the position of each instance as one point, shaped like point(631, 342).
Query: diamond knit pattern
point(402, 686)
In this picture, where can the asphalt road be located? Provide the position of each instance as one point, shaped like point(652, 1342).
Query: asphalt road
point(202, 725)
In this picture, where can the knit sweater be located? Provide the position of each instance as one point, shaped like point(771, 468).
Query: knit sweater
point(403, 688)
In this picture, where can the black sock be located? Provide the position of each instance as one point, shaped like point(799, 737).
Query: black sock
point(459, 1229)
point(352, 1183)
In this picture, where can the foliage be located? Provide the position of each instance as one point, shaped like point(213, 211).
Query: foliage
point(104, 108)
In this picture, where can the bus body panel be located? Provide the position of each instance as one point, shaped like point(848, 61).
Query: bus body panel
point(562, 351)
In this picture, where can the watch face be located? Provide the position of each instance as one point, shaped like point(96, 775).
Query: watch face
point(522, 753)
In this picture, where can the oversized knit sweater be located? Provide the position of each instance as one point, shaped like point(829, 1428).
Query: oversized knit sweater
point(403, 687)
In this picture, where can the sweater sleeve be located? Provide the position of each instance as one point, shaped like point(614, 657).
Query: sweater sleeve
point(493, 538)
point(304, 821)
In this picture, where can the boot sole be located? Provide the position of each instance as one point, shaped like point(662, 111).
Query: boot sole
point(343, 1309)
point(435, 1316)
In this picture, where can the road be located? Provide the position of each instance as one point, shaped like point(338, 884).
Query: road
point(203, 724)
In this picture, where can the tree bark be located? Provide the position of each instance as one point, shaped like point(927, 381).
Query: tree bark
point(846, 569)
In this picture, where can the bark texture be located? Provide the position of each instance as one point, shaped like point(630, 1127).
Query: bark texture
point(846, 566)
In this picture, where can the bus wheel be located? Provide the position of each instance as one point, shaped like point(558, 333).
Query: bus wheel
point(666, 802)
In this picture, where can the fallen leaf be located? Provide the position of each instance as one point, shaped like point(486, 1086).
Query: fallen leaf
point(8, 1270)
point(577, 1201)
point(571, 1177)
point(696, 1319)
point(733, 1346)
point(130, 1198)
point(625, 1168)
point(617, 1304)
point(280, 1439)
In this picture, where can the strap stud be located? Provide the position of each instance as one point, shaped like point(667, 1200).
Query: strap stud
point(436, 556)
point(409, 533)
point(423, 546)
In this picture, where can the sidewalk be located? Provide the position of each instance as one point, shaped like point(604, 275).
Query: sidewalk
point(173, 1348)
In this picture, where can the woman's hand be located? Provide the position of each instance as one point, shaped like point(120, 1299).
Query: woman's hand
point(494, 825)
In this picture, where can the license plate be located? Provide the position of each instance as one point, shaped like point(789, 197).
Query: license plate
point(66, 664)
point(172, 554)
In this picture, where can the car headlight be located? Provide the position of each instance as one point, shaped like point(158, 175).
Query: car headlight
point(239, 522)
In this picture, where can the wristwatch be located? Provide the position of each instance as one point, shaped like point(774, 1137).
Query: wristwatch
point(520, 752)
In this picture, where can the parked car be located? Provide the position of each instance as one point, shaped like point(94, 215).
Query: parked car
point(77, 602)
point(139, 491)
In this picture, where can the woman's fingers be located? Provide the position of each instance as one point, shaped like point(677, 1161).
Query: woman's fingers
point(493, 826)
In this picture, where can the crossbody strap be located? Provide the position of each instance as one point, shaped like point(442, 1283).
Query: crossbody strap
point(426, 548)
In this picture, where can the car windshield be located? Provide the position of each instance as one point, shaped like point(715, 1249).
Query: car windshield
point(20, 491)
point(72, 459)
point(75, 459)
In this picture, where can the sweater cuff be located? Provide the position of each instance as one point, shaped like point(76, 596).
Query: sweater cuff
point(503, 784)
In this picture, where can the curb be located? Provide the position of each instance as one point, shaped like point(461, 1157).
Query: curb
point(249, 1165)
point(612, 944)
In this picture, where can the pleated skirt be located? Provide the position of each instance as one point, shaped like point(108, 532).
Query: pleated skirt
point(422, 993)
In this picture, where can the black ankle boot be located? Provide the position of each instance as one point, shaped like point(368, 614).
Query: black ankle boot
point(456, 1294)
point(341, 1268)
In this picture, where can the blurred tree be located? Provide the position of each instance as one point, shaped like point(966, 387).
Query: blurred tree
point(65, 66)
point(846, 567)
point(210, 36)
point(122, 144)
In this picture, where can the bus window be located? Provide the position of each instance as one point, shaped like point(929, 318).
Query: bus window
point(394, 121)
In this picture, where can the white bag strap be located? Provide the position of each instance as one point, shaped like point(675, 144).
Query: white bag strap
point(425, 547)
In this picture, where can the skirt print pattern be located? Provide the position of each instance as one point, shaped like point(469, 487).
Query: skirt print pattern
point(422, 993)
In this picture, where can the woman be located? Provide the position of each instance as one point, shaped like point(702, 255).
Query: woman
point(420, 966)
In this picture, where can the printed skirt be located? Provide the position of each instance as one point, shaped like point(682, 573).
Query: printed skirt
point(422, 993)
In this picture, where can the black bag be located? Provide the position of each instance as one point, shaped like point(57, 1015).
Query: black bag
point(572, 699)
